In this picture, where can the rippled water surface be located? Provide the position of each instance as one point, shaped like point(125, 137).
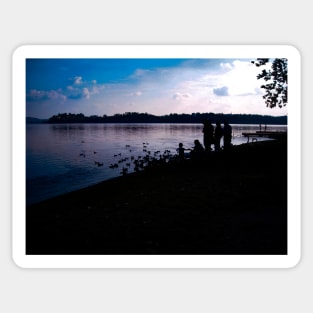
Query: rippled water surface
point(65, 157)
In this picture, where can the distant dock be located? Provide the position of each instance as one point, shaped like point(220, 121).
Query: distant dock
point(268, 134)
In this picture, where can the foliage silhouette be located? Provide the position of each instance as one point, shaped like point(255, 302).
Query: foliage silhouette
point(277, 82)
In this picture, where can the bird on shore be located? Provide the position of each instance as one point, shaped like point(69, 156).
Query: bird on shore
point(124, 171)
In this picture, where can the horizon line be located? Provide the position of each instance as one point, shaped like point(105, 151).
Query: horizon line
point(172, 113)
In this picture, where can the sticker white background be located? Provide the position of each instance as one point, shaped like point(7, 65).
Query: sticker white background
point(163, 290)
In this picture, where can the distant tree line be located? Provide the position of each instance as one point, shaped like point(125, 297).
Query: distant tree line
point(134, 117)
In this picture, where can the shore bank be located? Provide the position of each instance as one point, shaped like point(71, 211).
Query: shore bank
point(234, 202)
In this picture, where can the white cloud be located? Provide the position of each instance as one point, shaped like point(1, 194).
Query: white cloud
point(78, 90)
point(181, 96)
point(85, 93)
point(139, 73)
point(222, 91)
point(232, 89)
point(136, 94)
point(241, 79)
point(78, 80)
point(96, 89)
point(226, 66)
point(83, 89)
point(40, 95)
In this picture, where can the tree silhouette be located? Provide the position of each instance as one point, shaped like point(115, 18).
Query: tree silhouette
point(194, 118)
point(277, 82)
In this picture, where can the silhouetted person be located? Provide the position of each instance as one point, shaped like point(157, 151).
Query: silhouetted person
point(197, 152)
point(227, 135)
point(181, 151)
point(218, 134)
point(208, 135)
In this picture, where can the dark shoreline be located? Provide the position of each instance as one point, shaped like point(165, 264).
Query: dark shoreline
point(135, 117)
point(232, 203)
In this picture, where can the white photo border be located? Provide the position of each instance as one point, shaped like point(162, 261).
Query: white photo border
point(155, 261)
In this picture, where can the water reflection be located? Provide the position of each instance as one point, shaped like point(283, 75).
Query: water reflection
point(65, 157)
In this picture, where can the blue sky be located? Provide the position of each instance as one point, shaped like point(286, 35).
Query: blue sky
point(155, 86)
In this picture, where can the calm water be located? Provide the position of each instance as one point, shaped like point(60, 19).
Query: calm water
point(65, 157)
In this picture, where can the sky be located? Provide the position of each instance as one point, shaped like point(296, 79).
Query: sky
point(155, 86)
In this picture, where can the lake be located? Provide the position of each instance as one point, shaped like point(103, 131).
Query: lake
point(65, 157)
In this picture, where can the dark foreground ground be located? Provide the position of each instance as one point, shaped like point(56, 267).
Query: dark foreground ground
point(233, 203)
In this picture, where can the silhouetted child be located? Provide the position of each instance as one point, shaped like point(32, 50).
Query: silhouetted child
point(197, 152)
point(181, 151)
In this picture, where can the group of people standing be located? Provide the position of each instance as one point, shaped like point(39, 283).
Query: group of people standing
point(211, 136)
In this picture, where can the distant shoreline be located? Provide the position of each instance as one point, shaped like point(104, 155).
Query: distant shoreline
point(134, 117)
